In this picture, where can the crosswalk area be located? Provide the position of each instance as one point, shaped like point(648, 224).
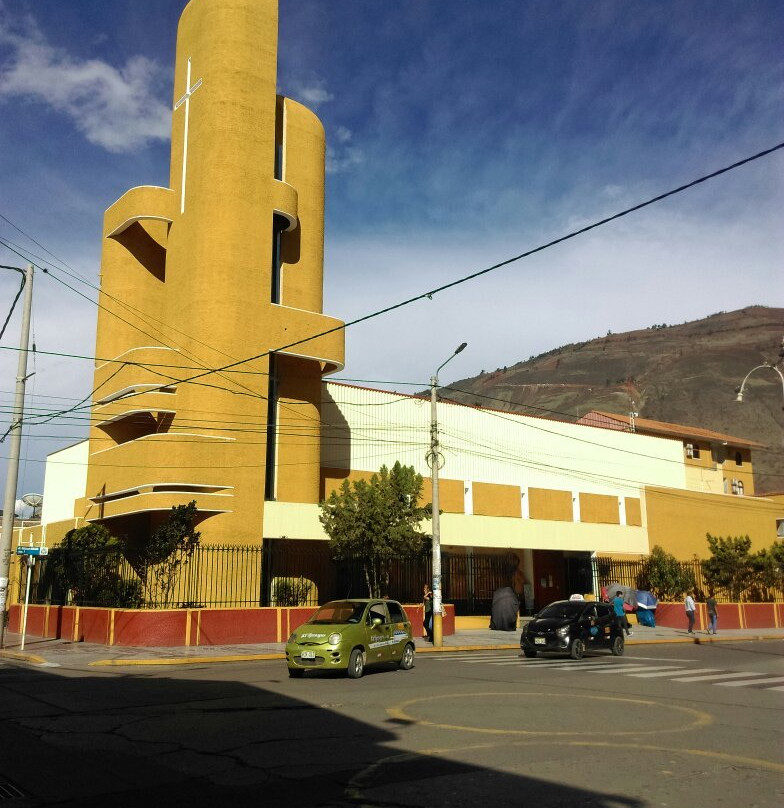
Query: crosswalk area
point(634, 667)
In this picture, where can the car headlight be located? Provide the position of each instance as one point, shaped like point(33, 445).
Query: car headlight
point(334, 639)
point(563, 631)
point(293, 637)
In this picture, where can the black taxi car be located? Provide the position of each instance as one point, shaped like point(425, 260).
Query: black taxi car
point(572, 627)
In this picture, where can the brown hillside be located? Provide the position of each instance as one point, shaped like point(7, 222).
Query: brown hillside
point(685, 374)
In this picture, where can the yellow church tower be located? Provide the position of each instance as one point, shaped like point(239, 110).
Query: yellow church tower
point(208, 377)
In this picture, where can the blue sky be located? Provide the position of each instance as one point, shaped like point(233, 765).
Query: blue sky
point(459, 133)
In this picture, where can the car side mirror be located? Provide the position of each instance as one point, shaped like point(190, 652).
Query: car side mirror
point(377, 621)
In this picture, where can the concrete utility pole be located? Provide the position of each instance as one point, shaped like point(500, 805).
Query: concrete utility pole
point(434, 458)
point(15, 444)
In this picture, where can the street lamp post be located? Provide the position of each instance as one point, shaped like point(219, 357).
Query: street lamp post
point(435, 460)
point(739, 397)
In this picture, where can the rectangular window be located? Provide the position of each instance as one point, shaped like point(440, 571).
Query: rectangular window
point(272, 429)
point(278, 226)
point(278, 161)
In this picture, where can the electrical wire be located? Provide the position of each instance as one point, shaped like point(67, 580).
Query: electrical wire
point(464, 279)
point(16, 299)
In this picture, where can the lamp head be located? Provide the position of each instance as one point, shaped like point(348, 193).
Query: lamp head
point(460, 347)
point(739, 397)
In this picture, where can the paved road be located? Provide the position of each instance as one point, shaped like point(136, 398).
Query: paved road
point(460, 729)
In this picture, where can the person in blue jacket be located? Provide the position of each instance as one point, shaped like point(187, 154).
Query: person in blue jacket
point(620, 614)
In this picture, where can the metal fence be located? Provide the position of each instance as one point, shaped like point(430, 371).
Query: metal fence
point(291, 573)
point(281, 573)
point(636, 573)
point(210, 576)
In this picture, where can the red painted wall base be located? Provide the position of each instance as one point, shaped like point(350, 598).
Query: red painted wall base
point(177, 627)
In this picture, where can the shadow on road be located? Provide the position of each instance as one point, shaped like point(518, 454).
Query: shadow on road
point(120, 740)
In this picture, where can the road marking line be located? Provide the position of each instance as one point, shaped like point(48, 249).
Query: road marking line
point(667, 671)
point(717, 676)
point(552, 663)
point(627, 669)
point(670, 672)
point(752, 682)
point(460, 657)
point(493, 660)
point(575, 665)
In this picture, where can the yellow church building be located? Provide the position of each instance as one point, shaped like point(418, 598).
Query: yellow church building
point(213, 351)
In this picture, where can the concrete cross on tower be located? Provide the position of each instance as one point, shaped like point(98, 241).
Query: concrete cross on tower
point(190, 89)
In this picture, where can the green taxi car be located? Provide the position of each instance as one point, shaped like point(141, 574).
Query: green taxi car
point(350, 634)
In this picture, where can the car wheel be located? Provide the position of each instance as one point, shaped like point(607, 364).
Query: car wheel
point(407, 660)
point(295, 673)
point(529, 652)
point(356, 664)
point(577, 650)
point(617, 646)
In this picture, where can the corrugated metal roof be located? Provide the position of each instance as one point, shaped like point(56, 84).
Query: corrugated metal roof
point(668, 430)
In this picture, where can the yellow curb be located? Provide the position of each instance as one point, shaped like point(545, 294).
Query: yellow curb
point(450, 649)
point(704, 640)
point(445, 649)
point(33, 659)
point(182, 660)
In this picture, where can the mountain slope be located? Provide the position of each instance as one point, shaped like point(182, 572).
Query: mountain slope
point(685, 374)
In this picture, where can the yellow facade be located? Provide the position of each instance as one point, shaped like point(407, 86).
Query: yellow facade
point(208, 383)
point(496, 500)
point(599, 508)
point(679, 520)
point(550, 505)
point(633, 511)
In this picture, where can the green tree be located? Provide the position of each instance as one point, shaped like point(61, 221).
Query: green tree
point(376, 521)
point(769, 564)
point(665, 576)
point(85, 567)
point(169, 547)
point(731, 567)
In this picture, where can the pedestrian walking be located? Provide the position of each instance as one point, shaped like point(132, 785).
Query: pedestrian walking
point(427, 613)
point(690, 609)
point(713, 614)
point(620, 614)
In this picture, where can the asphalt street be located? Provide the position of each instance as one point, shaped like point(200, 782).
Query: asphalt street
point(670, 725)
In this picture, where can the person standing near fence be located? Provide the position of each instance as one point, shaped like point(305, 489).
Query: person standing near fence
point(690, 607)
point(620, 614)
point(427, 613)
point(713, 613)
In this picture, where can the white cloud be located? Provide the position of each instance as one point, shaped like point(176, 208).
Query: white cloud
point(115, 108)
point(342, 134)
point(313, 93)
point(343, 158)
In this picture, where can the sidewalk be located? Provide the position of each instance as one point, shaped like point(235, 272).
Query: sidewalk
point(43, 652)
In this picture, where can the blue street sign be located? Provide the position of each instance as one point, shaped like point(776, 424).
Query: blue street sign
point(32, 551)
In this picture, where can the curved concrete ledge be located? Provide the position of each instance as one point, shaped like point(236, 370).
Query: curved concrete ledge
point(285, 202)
point(137, 204)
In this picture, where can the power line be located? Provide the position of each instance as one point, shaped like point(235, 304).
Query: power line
point(429, 294)
point(16, 299)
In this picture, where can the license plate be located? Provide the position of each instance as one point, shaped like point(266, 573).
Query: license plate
point(308, 655)
point(540, 641)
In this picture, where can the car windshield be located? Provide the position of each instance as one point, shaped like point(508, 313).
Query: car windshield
point(564, 611)
point(339, 611)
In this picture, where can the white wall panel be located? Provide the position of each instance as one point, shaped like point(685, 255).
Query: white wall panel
point(65, 481)
point(364, 429)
